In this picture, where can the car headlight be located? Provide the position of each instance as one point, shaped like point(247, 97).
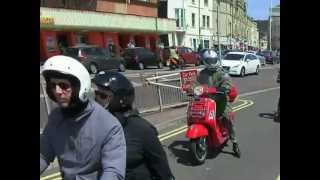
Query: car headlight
point(236, 66)
point(198, 90)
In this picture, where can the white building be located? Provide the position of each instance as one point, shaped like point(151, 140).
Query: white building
point(232, 23)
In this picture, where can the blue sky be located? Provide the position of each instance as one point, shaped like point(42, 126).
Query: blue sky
point(259, 9)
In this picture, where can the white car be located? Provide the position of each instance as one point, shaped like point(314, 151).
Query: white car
point(241, 63)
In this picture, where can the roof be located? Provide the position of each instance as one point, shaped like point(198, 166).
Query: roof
point(82, 46)
point(238, 52)
point(134, 48)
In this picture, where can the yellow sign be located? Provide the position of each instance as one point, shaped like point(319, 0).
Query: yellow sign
point(46, 20)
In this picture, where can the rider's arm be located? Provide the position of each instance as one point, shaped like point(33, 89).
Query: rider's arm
point(225, 84)
point(155, 156)
point(46, 151)
point(113, 158)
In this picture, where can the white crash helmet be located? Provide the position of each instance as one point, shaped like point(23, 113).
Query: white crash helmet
point(211, 61)
point(70, 66)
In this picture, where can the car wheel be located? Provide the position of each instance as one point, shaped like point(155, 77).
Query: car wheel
point(93, 68)
point(160, 65)
point(257, 70)
point(122, 67)
point(243, 72)
point(141, 66)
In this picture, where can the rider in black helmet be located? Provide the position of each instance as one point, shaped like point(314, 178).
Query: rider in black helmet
point(214, 76)
point(146, 158)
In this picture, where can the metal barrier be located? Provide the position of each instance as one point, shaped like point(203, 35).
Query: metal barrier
point(167, 88)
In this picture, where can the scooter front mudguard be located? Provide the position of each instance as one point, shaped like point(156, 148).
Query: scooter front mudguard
point(196, 131)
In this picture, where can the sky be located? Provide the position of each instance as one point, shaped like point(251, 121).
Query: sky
point(259, 9)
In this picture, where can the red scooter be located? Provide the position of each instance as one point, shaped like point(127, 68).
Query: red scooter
point(205, 130)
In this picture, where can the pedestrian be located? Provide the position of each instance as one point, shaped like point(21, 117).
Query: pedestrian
point(131, 44)
point(87, 140)
point(146, 159)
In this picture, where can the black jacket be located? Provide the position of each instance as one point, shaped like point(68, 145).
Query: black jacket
point(146, 159)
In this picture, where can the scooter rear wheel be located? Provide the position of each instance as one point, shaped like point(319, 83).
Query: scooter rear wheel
point(199, 150)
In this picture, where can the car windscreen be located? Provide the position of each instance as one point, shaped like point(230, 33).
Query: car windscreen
point(93, 51)
point(233, 57)
point(265, 53)
point(129, 52)
point(71, 52)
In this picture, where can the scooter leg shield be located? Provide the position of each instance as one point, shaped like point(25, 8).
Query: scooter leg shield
point(196, 131)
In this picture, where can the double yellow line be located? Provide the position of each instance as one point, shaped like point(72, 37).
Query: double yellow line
point(164, 136)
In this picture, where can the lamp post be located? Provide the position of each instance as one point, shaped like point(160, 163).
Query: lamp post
point(270, 21)
point(218, 30)
point(199, 24)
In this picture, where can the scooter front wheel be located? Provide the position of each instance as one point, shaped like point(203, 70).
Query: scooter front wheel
point(199, 150)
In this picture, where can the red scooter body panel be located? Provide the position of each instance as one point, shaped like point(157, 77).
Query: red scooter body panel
point(196, 130)
point(202, 114)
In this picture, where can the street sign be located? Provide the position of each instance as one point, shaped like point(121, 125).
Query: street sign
point(187, 79)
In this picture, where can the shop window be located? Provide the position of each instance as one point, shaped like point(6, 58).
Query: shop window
point(81, 38)
point(51, 44)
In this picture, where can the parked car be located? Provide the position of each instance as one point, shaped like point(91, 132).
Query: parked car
point(187, 54)
point(271, 57)
point(96, 59)
point(241, 63)
point(141, 57)
point(261, 58)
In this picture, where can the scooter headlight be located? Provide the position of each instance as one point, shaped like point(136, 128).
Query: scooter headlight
point(198, 90)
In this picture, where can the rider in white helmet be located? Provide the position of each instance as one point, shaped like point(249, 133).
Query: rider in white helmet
point(86, 139)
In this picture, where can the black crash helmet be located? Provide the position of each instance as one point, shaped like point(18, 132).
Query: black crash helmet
point(121, 87)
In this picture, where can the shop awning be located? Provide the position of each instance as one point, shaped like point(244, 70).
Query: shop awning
point(53, 18)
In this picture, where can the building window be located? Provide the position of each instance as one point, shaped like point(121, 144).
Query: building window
point(179, 14)
point(194, 44)
point(193, 19)
point(208, 21)
point(206, 43)
point(177, 17)
point(206, 2)
point(203, 21)
point(193, 2)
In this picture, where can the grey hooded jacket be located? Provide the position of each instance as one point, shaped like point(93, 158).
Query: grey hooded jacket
point(90, 145)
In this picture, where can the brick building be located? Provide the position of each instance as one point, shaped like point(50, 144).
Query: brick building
point(65, 23)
